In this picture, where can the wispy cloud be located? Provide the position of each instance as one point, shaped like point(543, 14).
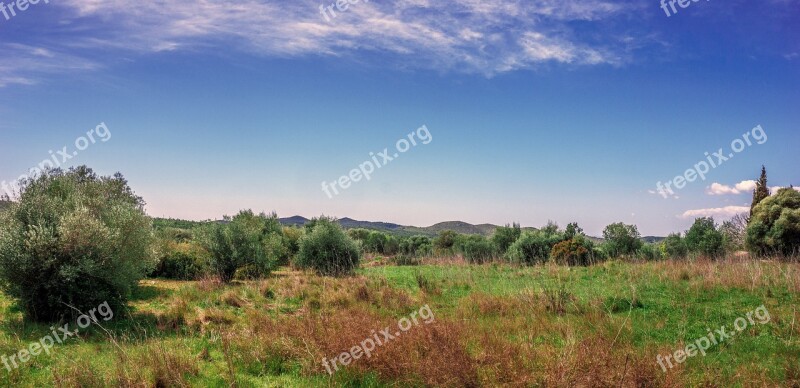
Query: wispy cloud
point(473, 36)
point(24, 65)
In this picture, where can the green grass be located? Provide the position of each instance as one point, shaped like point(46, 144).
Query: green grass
point(635, 305)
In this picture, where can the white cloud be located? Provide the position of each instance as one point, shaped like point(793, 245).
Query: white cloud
point(739, 188)
point(718, 212)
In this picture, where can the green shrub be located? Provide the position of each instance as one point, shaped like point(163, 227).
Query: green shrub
point(775, 225)
point(328, 250)
point(291, 243)
point(245, 239)
point(416, 246)
point(504, 236)
point(443, 244)
point(75, 239)
point(674, 246)
point(181, 261)
point(534, 247)
point(476, 249)
point(649, 252)
point(703, 238)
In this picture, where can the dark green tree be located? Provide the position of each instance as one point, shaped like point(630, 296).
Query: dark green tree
point(761, 191)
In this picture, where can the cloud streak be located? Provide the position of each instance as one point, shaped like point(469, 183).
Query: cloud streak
point(469, 36)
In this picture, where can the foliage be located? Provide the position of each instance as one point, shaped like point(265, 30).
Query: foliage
point(475, 248)
point(181, 260)
point(445, 242)
point(761, 191)
point(621, 239)
point(704, 238)
point(74, 239)
point(533, 247)
point(246, 239)
point(775, 225)
point(674, 246)
point(576, 251)
point(415, 246)
point(328, 250)
point(649, 252)
point(504, 236)
point(734, 233)
point(291, 243)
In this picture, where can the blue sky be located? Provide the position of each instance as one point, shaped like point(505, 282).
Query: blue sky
point(538, 110)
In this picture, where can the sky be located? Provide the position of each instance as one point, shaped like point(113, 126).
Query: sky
point(508, 111)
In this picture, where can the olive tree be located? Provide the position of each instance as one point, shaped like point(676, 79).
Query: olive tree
point(74, 240)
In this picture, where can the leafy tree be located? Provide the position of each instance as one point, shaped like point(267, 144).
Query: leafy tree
point(74, 239)
point(621, 239)
point(775, 225)
point(761, 191)
point(704, 238)
point(328, 250)
point(246, 240)
point(503, 237)
point(674, 246)
point(573, 230)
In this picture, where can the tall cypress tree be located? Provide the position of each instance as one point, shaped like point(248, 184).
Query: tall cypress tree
point(761, 191)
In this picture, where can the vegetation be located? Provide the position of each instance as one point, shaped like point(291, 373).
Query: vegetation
point(328, 250)
point(775, 225)
point(622, 239)
point(703, 238)
point(246, 240)
point(73, 241)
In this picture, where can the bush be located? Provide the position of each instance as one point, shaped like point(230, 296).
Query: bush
point(76, 239)
point(674, 246)
point(775, 225)
point(181, 260)
point(503, 237)
point(649, 252)
point(244, 240)
point(415, 246)
point(533, 247)
point(703, 238)
point(444, 243)
point(573, 252)
point(621, 239)
point(291, 243)
point(476, 249)
point(328, 250)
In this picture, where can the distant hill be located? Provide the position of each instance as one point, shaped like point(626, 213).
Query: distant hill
point(402, 230)
point(5, 205)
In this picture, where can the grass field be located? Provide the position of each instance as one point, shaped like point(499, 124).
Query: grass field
point(495, 325)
